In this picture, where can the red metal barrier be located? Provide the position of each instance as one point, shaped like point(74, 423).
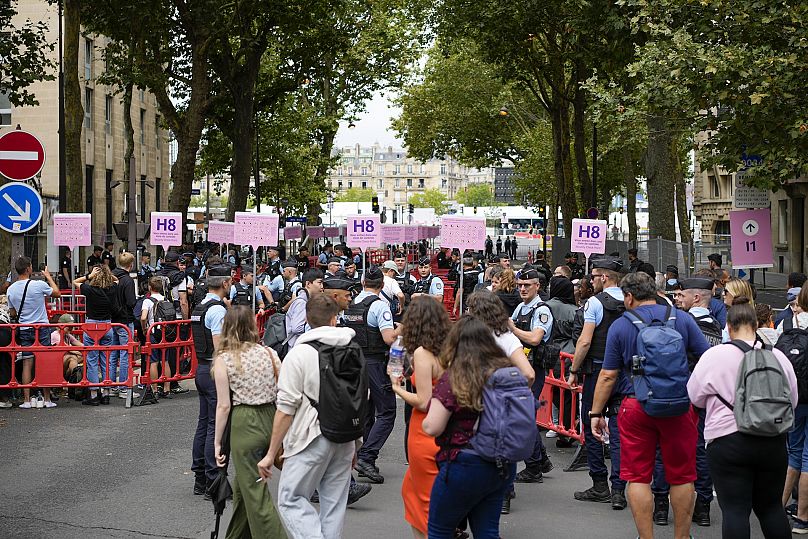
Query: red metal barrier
point(564, 392)
point(49, 361)
point(261, 321)
point(67, 303)
point(177, 354)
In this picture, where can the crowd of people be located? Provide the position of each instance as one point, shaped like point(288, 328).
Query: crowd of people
point(687, 386)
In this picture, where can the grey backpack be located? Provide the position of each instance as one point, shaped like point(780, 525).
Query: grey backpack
point(762, 393)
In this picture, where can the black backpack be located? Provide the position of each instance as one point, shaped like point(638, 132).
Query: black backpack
point(794, 344)
point(711, 329)
point(286, 295)
point(275, 334)
point(164, 311)
point(342, 403)
point(200, 291)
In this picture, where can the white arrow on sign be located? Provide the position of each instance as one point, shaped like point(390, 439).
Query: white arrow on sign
point(21, 215)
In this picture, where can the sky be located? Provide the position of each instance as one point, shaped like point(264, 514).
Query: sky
point(372, 126)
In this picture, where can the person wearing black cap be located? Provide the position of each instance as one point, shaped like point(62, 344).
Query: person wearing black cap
point(350, 271)
point(671, 279)
point(288, 286)
point(471, 277)
point(333, 264)
point(572, 262)
point(532, 323)
point(715, 261)
point(372, 321)
point(302, 259)
point(273, 266)
point(339, 288)
point(108, 257)
point(600, 311)
point(241, 293)
point(403, 277)
point(633, 261)
point(94, 259)
point(428, 284)
point(499, 245)
point(206, 326)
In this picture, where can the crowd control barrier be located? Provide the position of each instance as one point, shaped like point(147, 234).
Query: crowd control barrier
point(67, 303)
point(169, 345)
point(557, 391)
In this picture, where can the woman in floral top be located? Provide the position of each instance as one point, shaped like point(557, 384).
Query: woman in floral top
point(248, 372)
point(466, 484)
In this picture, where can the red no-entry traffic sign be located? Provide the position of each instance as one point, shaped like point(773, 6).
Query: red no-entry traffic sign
point(21, 155)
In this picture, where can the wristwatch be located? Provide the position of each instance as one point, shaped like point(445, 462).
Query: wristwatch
point(573, 372)
point(595, 414)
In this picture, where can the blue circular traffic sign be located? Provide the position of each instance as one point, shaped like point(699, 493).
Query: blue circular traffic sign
point(20, 207)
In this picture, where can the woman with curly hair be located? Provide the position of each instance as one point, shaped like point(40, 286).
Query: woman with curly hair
point(425, 324)
point(466, 485)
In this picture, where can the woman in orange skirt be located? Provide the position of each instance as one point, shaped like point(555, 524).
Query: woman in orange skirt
point(426, 324)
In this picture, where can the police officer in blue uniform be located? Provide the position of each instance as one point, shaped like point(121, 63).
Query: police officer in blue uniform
point(428, 284)
point(371, 319)
point(206, 325)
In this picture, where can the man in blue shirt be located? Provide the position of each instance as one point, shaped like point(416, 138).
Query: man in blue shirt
point(32, 311)
point(428, 284)
point(206, 325)
point(640, 434)
point(296, 313)
point(532, 324)
point(795, 282)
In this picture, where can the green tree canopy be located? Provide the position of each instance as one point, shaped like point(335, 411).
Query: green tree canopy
point(356, 194)
point(476, 194)
point(430, 198)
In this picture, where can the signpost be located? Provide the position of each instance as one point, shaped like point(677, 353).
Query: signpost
point(751, 238)
point(255, 230)
point(462, 233)
point(589, 237)
point(20, 207)
point(166, 229)
point(365, 232)
point(72, 230)
point(22, 155)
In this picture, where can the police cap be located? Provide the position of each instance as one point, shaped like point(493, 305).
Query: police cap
point(608, 263)
point(222, 270)
point(423, 261)
point(696, 283)
point(289, 264)
point(338, 283)
point(171, 257)
point(335, 260)
point(374, 273)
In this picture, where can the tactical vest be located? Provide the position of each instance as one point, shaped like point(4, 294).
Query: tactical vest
point(404, 283)
point(273, 269)
point(612, 310)
point(286, 295)
point(203, 338)
point(711, 330)
point(370, 339)
point(243, 295)
point(423, 285)
point(524, 321)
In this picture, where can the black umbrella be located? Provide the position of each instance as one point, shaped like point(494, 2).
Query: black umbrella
point(220, 489)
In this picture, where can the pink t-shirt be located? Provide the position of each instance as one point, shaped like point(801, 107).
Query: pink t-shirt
point(716, 372)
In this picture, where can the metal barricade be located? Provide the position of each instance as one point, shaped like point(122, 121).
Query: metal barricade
point(261, 321)
point(567, 398)
point(68, 303)
point(170, 345)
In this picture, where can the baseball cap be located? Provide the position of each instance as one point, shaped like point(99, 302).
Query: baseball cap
point(389, 265)
point(792, 294)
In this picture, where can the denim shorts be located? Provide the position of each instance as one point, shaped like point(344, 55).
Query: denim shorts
point(27, 336)
point(797, 450)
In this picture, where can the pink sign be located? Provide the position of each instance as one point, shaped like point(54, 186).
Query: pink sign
point(331, 231)
point(364, 231)
point(588, 236)
point(315, 232)
point(462, 232)
point(255, 229)
point(72, 229)
point(751, 238)
point(393, 234)
point(220, 232)
point(411, 234)
point(166, 229)
point(293, 233)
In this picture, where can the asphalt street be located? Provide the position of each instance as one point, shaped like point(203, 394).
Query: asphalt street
point(107, 472)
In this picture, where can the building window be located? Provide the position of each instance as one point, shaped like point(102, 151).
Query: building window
point(420, 183)
point(157, 130)
point(88, 189)
point(397, 169)
point(5, 110)
point(350, 171)
point(142, 126)
point(715, 186)
point(398, 196)
point(339, 185)
point(339, 171)
point(88, 108)
point(88, 59)
point(350, 185)
point(109, 198)
point(409, 169)
point(444, 183)
point(108, 114)
point(380, 183)
point(423, 168)
point(142, 205)
point(364, 185)
point(782, 221)
point(380, 170)
point(364, 171)
point(142, 94)
point(398, 183)
point(409, 182)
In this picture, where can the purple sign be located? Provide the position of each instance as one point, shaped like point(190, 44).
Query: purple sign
point(411, 234)
point(72, 229)
point(255, 229)
point(588, 236)
point(751, 238)
point(393, 234)
point(331, 231)
point(220, 232)
point(462, 233)
point(315, 232)
point(293, 233)
point(364, 231)
point(166, 229)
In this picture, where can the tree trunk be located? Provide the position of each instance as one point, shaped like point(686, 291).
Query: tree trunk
point(681, 201)
point(630, 179)
point(563, 163)
point(128, 133)
point(579, 131)
point(243, 139)
point(313, 208)
point(74, 112)
point(660, 170)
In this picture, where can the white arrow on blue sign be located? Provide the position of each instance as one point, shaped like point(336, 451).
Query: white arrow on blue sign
point(20, 207)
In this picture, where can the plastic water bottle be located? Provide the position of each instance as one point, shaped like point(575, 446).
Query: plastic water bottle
point(395, 365)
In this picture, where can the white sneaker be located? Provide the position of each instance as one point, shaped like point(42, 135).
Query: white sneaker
point(33, 402)
point(49, 404)
point(551, 434)
point(40, 402)
point(123, 394)
point(5, 404)
point(27, 405)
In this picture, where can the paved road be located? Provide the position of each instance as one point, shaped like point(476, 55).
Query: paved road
point(108, 472)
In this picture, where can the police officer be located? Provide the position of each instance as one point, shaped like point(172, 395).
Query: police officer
point(273, 267)
point(94, 259)
point(600, 311)
point(577, 270)
point(108, 257)
point(471, 276)
point(241, 293)
point(206, 325)
point(371, 319)
point(339, 288)
point(428, 284)
point(403, 277)
point(288, 285)
point(532, 323)
point(146, 270)
point(333, 266)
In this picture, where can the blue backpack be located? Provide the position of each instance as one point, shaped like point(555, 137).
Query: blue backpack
point(506, 431)
point(659, 370)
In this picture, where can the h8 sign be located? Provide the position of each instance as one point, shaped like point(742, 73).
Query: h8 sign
point(588, 236)
point(166, 229)
point(364, 231)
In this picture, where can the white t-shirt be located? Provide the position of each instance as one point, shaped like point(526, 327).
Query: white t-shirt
point(148, 308)
point(391, 289)
point(508, 343)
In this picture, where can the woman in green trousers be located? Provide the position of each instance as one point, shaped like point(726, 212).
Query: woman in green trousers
point(246, 376)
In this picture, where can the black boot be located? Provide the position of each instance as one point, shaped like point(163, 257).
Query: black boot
point(598, 492)
point(579, 462)
point(618, 500)
point(661, 510)
point(701, 512)
point(199, 485)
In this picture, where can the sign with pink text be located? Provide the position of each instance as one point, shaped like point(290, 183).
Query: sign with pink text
point(293, 233)
point(220, 232)
point(73, 229)
point(331, 231)
point(462, 233)
point(751, 238)
point(411, 233)
point(315, 232)
point(166, 229)
point(255, 229)
point(589, 236)
point(364, 231)
point(394, 234)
